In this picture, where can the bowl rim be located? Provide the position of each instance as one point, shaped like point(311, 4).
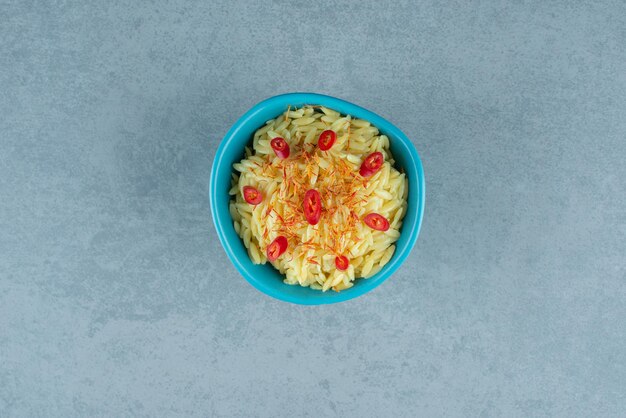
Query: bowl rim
point(343, 107)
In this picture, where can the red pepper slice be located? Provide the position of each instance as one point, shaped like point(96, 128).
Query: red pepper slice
point(252, 195)
point(376, 221)
point(342, 262)
point(371, 164)
point(326, 140)
point(277, 248)
point(280, 147)
point(312, 206)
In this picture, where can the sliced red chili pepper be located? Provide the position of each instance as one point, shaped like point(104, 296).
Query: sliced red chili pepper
point(371, 164)
point(376, 221)
point(326, 140)
point(342, 262)
point(280, 147)
point(252, 195)
point(312, 206)
point(277, 248)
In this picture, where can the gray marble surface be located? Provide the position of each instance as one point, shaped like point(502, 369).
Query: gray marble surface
point(116, 298)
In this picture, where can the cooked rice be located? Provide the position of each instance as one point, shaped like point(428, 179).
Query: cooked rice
point(346, 198)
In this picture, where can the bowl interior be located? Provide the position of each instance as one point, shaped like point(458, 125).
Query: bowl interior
point(264, 277)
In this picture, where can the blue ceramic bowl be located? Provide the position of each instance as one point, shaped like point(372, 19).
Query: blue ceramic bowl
point(264, 277)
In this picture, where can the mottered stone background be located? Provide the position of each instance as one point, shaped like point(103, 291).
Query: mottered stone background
point(116, 298)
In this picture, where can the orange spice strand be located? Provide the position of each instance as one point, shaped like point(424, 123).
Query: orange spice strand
point(280, 218)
